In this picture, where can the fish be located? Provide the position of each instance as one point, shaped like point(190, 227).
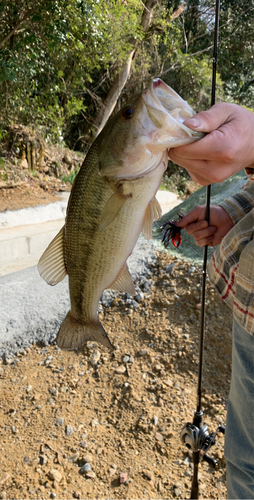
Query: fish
point(113, 200)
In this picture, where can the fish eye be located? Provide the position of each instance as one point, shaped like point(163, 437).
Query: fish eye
point(127, 112)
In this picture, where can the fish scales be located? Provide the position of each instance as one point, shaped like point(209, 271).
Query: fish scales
point(112, 201)
point(99, 255)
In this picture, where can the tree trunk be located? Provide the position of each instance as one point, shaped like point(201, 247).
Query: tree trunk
point(122, 77)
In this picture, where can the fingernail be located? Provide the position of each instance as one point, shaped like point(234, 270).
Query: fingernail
point(192, 123)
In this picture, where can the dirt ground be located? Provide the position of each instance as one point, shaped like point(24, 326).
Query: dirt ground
point(28, 195)
point(94, 424)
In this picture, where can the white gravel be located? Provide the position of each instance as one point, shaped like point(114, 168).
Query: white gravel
point(32, 311)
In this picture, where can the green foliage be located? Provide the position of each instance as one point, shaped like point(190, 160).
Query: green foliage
point(175, 179)
point(58, 65)
point(71, 177)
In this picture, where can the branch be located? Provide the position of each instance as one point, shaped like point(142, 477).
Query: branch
point(16, 27)
point(186, 57)
point(177, 12)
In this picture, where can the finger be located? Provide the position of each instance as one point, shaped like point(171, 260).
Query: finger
point(195, 227)
point(198, 213)
point(190, 163)
point(210, 146)
point(213, 118)
point(205, 233)
point(205, 241)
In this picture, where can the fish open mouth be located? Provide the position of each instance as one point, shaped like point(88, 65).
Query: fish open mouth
point(167, 110)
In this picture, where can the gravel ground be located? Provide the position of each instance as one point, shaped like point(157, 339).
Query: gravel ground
point(94, 424)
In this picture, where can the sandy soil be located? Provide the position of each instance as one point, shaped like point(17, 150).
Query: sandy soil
point(92, 424)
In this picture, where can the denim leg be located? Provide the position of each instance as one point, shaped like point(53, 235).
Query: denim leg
point(239, 439)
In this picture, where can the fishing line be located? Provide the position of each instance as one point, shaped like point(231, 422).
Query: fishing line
point(195, 436)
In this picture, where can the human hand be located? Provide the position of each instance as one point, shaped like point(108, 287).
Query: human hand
point(227, 148)
point(206, 234)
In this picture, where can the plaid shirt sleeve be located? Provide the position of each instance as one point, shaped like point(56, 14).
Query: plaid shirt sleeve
point(231, 268)
point(241, 203)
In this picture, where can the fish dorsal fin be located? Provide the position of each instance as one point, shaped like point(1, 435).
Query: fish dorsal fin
point(123, 282)
point(157, 211)
point(148, 222)
point(112, 208)
point(51, 265)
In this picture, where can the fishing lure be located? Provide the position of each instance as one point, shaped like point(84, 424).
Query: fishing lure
point(172, 232)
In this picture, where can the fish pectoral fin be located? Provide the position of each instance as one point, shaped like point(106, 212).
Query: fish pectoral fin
point(112, 208)
point(123, 282)
point(51, 265)
point(157, 211)
point(74, 334)
point(148, 222)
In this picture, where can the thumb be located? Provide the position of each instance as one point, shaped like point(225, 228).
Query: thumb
point(212, 119)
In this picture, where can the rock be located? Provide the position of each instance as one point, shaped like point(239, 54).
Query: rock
point(64, 389)
point(86, 468)
point(55, 475)
point(4, 478)
point(139, 297)
point(54, 391)
point(94, 422)
point(111, 471)
point(142, 352)
point(59, 421)
point(148, 475)
point(155, 420)
point(77, 494)
point(73, 458)
point(123, 477)
point(120, 369)
point(43, 460)
point(95, 357)
point(87, 459)
point(69, 429)
point(159, 437)
point(90, 474)
point(177, 493)
point(168, 382)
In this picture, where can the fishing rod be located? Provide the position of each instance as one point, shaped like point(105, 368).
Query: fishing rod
point(196, 436)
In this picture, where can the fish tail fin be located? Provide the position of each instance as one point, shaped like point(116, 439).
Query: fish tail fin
point(74, 334)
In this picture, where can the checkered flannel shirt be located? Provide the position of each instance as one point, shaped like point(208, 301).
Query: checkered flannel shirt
point(231, 268)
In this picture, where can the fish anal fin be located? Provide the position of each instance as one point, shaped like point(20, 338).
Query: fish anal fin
point(113, 207)
point(148, 222)
point(153, 212)
point(51, 265)
point(123, 282)
point(74, 333)
point(157, 211)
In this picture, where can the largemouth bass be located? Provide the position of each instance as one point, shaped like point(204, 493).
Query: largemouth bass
point(111, 202)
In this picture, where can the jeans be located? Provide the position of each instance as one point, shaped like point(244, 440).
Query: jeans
point(239, 438)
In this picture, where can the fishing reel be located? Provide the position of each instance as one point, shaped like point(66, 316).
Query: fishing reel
point(199, 439)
